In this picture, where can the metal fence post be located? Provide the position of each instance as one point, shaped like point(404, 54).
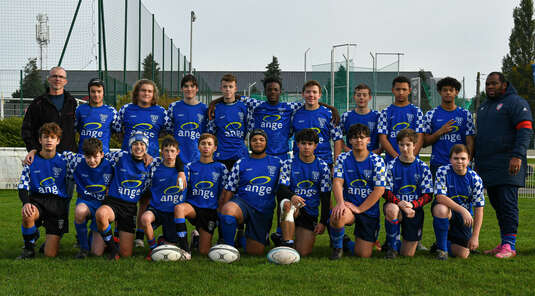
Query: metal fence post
point(163, 60)
point(152, 52)
point(125, 38)
point(21, 95)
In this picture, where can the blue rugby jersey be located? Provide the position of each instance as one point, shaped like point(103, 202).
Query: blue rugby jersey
point(255, 181)
point(275, 120)
point(229, 125)
point(370, 120)
point(360, 178)
point(95, 122)
point(464, 126)
point(393, 119)
point(206, 181)
point(130, 177)
point(151, 121)
point(409, 181)
point(188, 122)
point(47, 176)
point(162, 181)
point(91, 183)
point(466, 190)
point(306, 180)
point(321, 121)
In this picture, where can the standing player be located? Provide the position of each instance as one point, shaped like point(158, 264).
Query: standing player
point(43, 192)
point(165, 195)
point(251, 184)
point(95, 120)
point(188, 119)
point(409, 188)
point(447, 125)
point(458, 188)
point(320, 119)
point(400, 115)
point(364, 115)
point(305, 180)
point(206, 178)
point(359, 181)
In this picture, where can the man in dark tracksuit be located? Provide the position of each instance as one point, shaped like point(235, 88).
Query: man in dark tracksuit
point(504, 128)
point(58, 106)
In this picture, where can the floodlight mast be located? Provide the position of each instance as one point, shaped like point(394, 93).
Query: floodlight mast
point(332, 68)
point(42, 35)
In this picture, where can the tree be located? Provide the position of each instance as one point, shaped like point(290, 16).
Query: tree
point(147, 70)
point(32, 85)
point(273, 70)
point(340, 80)
point(425, 104)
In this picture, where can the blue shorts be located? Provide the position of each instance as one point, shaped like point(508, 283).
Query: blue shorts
point(167, 221)
point(93, 205)
point(458, 233)
point(258, 223)
point(366, 227)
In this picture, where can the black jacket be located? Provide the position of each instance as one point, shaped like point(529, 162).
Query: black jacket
point(41, 111)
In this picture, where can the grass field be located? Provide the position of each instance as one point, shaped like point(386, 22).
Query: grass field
point(315, 275)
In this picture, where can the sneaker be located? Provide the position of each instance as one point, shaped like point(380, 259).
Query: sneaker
point(390, 253)
point(433, 249)
point(187, 256)
point(139, 243)
point(149, 256)
point(377, 246)
point(336, 254)
point(114, 253)
point(287, 244)
point(505, 252)
point(442, 255)
point(276, 238)
point(26, 254)
point(161, 240)
point(421, 247)
point(494, 251)
point(82, 254)
point(194, 241)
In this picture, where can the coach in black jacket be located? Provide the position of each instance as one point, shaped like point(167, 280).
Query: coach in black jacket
point(58, 106)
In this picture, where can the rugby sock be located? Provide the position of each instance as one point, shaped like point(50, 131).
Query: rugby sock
point(349, 246)
point(81, 234)
point(441, 226)
point(116, 231)
point(152, 243)
point(107, 235)
point(337, 237)
point(29, 235)
point(228, 228)
point(140, 234)
point(279, 230)
point(182, 233)
point(510, 239)
point(449, 249)
point(392, 234)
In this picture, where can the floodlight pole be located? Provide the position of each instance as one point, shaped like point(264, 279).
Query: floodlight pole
point(374, 80)
point(332, 67)
point(306, 51)
point(398, 54)
point(192, 19)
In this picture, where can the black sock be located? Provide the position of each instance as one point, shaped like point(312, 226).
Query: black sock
point(182, 233)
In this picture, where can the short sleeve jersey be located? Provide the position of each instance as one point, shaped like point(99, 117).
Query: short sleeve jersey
point(151, 121)
point(95, 122)
point(370, 120)
point(130, 177)
point(275, 120)
point(255, 181)
point(188, 122)
point(162, 181)
point(319, 120)
point(306, 180)
point(409, 181)
point(360, 178)
point(206, 181)
point(464, 126)
point(46, 176)
point(91, 183)
point(229, 125)
point(466, 190)
point(393, 119)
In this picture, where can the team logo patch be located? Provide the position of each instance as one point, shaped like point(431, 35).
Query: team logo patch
point(95, 188)
point(460, 196)
point(305, 184)
point(410, 117)
point(500, 105)
point(56, 171)
point(271, 118)
point(215, 176)
point(315, 175)
point(401, 125)
point(371, 125)
point(260, 180)
point(172, 190)
point(240, 115)
point(322, 122)
point(47, 181)
point(92, 126)
point(367, 173)
point(154, 118)
point(103, 118)
point(459, 120)
point(204, 185)
point(131, 183)
point(142, 126)
point(189, 126)
point(272, 169)
point(233, 125)
point(107, 178)
point(407, 189)
point(200, 117)
point(358, 183)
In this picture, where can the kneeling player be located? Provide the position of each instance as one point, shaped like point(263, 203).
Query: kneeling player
point(359, 181)
point(165, 195)
point(43, 192)
point(206, 178)
point(458, 188)
point(409, 188)
point(253, 180)
point(304, 181)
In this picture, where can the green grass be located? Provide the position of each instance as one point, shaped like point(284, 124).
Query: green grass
point(315, 275)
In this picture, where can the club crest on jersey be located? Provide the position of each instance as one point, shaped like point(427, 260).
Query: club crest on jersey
point(459, 120)
point(315, 175)
point(417, 177)
point(410, 117)
point(200, 117)
point(215, 176)
point(240, 115)
point(107, 178)
point(272, 170)
point(154, 118)
point(322, 122)
point(371, 125)
point(281, 110)
point(56, 171)
point(367, 173)
point(103, 117)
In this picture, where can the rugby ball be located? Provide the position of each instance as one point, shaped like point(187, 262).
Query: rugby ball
point(283, 255)
point(224, 253)
point(169, 253)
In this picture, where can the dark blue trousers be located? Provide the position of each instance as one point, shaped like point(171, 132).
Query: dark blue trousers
point(504, 200)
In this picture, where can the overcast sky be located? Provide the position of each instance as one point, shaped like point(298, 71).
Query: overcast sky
point(450, 38)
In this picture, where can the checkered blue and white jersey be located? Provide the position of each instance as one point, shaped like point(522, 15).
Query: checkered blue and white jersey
point(370, 120)
point(162, 182)
point(360, 178)
point(205, 183)
point(465, 190)
point(229, 125)
point(188, 122)
point(95, 122)
point(409, 181)
point(91, 183)
point(306, 180)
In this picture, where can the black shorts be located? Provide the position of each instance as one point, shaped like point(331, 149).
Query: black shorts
point(411, 228)
point(366, 227)
point(458, 233)
point(306, 220)
point(167, 221)
point(125, 213)
point(52, 213)
point(205, 219)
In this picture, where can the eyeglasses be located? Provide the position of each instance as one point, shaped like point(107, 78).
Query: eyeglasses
point(57, 76)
